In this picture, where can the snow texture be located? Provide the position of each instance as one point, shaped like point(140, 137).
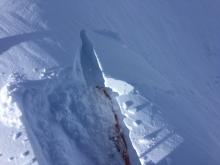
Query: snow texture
point(64, 119)
point(161, 59)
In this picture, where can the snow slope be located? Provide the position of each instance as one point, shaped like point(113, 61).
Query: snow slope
point(64, 113)
point(166, 50)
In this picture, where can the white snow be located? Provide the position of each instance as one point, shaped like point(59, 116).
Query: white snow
point(10, 114)
point(118, 86)
point(149, 133)
point(161, 58)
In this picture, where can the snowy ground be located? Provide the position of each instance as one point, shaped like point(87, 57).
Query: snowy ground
point(161, 57)
point(66, 117)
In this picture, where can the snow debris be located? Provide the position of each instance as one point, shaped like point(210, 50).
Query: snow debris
point(10, 114)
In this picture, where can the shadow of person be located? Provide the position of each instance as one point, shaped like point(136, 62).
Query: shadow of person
point(8, 42)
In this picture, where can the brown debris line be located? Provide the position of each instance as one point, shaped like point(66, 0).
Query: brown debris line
point(120, 141)
point(119, 137)
point(104, 92)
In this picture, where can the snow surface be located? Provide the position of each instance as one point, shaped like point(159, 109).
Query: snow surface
point(64, 113)
point(157, 55)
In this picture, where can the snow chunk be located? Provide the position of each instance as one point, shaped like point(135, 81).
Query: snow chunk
point(118, 86)
point(10, 114)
